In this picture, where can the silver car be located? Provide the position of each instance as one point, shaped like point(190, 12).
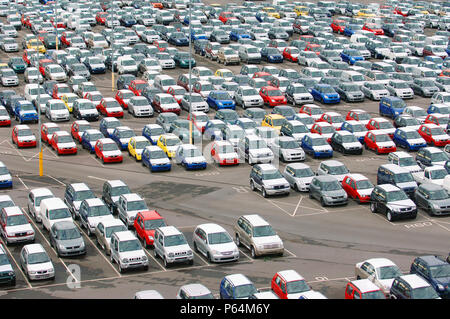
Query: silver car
point(299, 176)
point(104, 231)
point(287, 149)
point(328, 191)
point(214, 242)
point(66, 239)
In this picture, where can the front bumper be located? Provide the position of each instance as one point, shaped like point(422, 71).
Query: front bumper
point(269, 251)
point(195, 166)
point(26, 144)
point(225, 257)
point(72, 252)
point(335, 202)
point(67, 151)
point(278, 191)
point(115, 159)
point(20, 239)
point(160, 168)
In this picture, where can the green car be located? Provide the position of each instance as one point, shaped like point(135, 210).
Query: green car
point(50, 41)
point(182, 60)
point(7, 274)
point(17, 64)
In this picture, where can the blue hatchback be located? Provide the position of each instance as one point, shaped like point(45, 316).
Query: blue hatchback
point(351, 56)
point(316, 146)
point(90, 138)
point(325, 94)
point(391, 106)
point(408, 138)
point(220, 100)
point(271, 54)
point(236, 286)
point(24, 111)
point(122, 136)
point(438, 108)
point(155, 159)
point(239, 33)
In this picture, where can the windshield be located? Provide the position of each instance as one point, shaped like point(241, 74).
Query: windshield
point(388, 272)
point(16, 220)
point(271, 175)
point(38, 258)
point(338, 170)
point(136, 205)
point(297, 286)
point(113, 229)
point(393, 196)
point(59, 213)
point(24, 132)
point(82, 195)
point(219, 238)
point(4, 260)
point(440, 271)
point(263, 231)
point(407, 161)
point(289, 144)
point(403, 177)
point(7, 203)
point(424, 293)
point(100, 210)
point(439, 157)
point(174, 240)
point(258, 144)
point(68, 234)
point(244, 291)
point(383, 138)
point(331, 186)
point(349, 139)
point(129, 245)
point(109, 147)
point(437, 131)
point(439, 194)
point(378, 294)
point(154, 223)
point(438, 174)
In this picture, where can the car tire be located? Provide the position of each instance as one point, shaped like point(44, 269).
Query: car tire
point(252, 185)
point(322, 202)
point(195, 247)
point(155, 254)
point(264, 193)
point(253, 253)
point(166, 264)
point(389, 216)
point(238, 241)
point(296, 188)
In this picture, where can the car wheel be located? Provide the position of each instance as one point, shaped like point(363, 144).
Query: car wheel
point(238, 241)
point(195, 247)
point(209, 258)
point(322, 202)
point(389, 216)
point(166, 264)
point(252, 185)
point(373, 208)
point(121, 270)
point(155, 254)
point(253, 253)
point(264, 193)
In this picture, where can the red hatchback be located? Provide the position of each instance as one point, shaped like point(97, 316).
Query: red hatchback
point(363, 289)
point(314, 47)
point(272, 96)
point(145, 224)
point(62, 143)
point(47, 130)
point(78, 128)
point(123, 97)
point(224, 16)
point(323, 128)
point(338, 26)
point(358, 115)
point(110, 107)
point(357, 187)
point(263, 75)
point(137, 86)
point(434, 135)
point(291, 54)
point(372, 27)
point(108, 151)
point(380, 142)
point(43, 63)
point(100, 17)
point(22, 136)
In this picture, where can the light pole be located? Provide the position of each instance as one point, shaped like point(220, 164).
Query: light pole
point(41, 150)
point(56, 22)
point(112, 53)
point(190, 69)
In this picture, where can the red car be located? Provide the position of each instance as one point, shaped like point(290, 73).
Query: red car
point(5, 120)
point(357, 187)
point(223, 153)
point(363, 289)
point(108, 151)
point(78, 127)
point(333, 118)
point(287, 284)
point(372, 27)
point(47, 130)
point(177, 92)
point(157, 5)
point(100, 17)
point(161, 45)
point(145, 224)
point(314, 47)
point(199, 119)
point(272, 96)
point(312, 110)
point(63, 143)
point(338, 26)
point(27, 53)
point(306, 37)
point(358, 115)
point(291, 54)
point(380, 142)
point(401, 11)
point(434, 135)
point(263, 75)
point(137, 86)
point(323, 128)
point(109, 107)
point(59, 89)
point(66, 36)
point(95, 97)
point(22, 136)
point(382, 124)
point(123, 97)
point(224, 16)
point(437, 119)
point(58, 24)
point(43, 63)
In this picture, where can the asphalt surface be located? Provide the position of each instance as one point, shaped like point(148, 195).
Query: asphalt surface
point(322, 244)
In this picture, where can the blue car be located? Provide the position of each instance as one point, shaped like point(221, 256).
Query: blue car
point(316, 145)
point(236, 286)
point(284, 110)
point(152, 132)
point(178, 39)
point(409, 139)
point(391, 106)
point(190, 157)
point(239, 33)
point(122, 136)
point(108, 124)
point(351, 56)
point(6, 181)
point(271, 55)
point(25, 112)
point(89, 138)
point(127, 21)
point(155, 159)
point(197, 34)
point(447, 166)
point(435, 271)
point(351, 28)
point(325, 94)
point(220, 100)
point(438, 108)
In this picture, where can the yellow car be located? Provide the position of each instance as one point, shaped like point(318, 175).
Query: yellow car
point(301, 10)
point(36, 45)
point(4, 66)
point(224, 73)
point(422, 10)
point(365, 13)
point(137, 145)
point(68, 100)
point(271, 12)
point(274, 121)
point(169, 144)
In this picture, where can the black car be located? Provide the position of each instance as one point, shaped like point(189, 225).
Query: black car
point(112, 191)
point(10, 102)
point(124, 81)
point(199, 46)
point(405, 120)
point(411, 286)
point(436, 271)
point(346, 143)
point(393, 202)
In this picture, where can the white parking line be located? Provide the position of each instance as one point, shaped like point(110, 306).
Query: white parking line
point(22, 182)
point(152, 257)
point(48, 243)
point(434, 221)
point(56, 180)
point(100, 179)
point(17, 264)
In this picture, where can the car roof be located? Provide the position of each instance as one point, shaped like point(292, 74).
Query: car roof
point(238, 279)
point(380, 262)
point(255, 220)
point(41, 191)
point(116, 183)
point(150, 214)
point(388, 187)
point(415, 281)
point(94, 202)
point(124, 235)
point(290, 275)
point(332, 163)
point(394, 168)
point(169, 230)
point(64, 225)
point(211, 228)
point(195, 289)
point(34, 248)
point(13, 211)
point(365, 285)
point(358, 177)
point(80, 187)
point(430, 259)
point(131, 197)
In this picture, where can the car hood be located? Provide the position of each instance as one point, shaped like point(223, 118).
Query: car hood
point(401, 203)
point(39, 267)
point(26, 138)
point(274, 182)
point(6, 268)
point(364, 192)
point(179, 248)
point(262, 151)
point(267, 240)
point(19, 229)
point(386, 144)
point(159, 161)
point(416, 141)
point(93, 221)
point(407, 185)
point(352, 144)
point(196, 159)
point(231, 246)
point(132, 254)
point(71, 242)
point(334, 193)
point(112, 153)
point(322, 148)
point(228, 156)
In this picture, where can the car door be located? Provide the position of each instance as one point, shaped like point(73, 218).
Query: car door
point(279, 287)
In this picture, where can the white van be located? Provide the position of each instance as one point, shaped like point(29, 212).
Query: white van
point(126, 64)
point(53, 210)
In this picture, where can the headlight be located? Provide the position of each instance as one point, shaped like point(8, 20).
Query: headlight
point(436, 206)
point(440, 287)
point(144, 258)
point(32, 272)
point(171, 255)
point(150, 237)
point(51, 270)
point(124, 260)
point(11, 273)
point(189, 252)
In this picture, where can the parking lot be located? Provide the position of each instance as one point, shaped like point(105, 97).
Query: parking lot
point(322, 244)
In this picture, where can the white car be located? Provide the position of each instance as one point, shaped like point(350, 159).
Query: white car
point(15, 227)
point(172, 247)
point(93, 211)
point(128, 206)
point(55, 72)
point(139, 106)
point(254, 149)
point(247, 96)
point(150, 64)
point(196, 104)
point(299, 176)
point(233, 133)
point(334, 168)
point(214, 242)
point(287, 149)
point(441, 98)
point(35, 197)
point(400, 88)
point(298, 94)
point(35, 262)
point(165, 60)
point(56, 110)
point(194, 291)
point(127, 251)
point(380, 271)
point(53, 210)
